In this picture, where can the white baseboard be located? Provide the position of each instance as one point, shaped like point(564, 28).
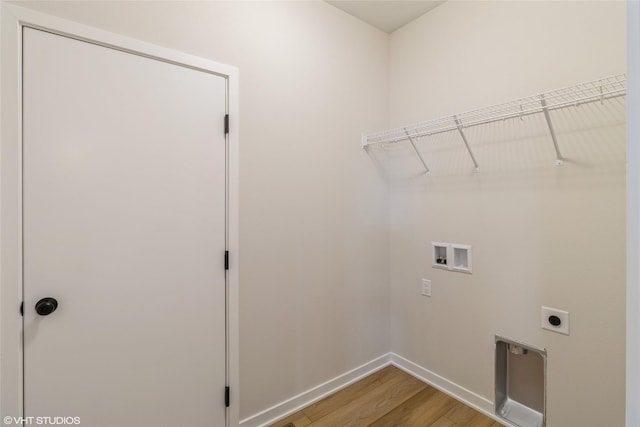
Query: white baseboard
point(296, 403)
point(290, 406)
point(469, 398)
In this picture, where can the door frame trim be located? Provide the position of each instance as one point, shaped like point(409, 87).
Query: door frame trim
point(12, 20)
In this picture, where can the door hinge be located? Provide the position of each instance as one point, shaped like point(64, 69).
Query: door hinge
point(22, 308)
point(226, 124)
point(226, 260)
point(227, 396)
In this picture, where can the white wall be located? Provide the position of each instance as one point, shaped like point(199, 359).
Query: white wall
point(541, 234)
point(314, 298)
point(313, 210)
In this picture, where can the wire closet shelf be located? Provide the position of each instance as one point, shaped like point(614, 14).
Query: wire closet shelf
point(573, 96)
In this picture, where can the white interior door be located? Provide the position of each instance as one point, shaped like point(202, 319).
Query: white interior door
point(124, 225)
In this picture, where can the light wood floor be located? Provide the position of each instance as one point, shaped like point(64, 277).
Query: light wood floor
point(389, 397)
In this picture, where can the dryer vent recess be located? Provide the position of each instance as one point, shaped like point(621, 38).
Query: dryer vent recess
point(521, 372)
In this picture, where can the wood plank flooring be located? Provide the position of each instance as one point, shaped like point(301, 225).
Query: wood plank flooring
point(388, 398)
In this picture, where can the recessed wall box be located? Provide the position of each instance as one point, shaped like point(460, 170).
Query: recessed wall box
point(441, 255)
point(452, 257)
point(461, 258)
point(520, 387)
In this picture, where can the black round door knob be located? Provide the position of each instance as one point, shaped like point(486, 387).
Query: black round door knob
point(46, 306)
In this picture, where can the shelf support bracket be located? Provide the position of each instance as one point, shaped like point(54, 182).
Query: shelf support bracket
point(427, 171)
point(466, 143)
point(545, 110)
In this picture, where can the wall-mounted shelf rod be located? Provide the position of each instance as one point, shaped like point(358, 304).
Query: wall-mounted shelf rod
point(427, 171)
point(573, 96)
point(543, 102)
point(466, 143)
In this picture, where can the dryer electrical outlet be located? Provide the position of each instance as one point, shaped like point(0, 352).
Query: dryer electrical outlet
point(555, 320)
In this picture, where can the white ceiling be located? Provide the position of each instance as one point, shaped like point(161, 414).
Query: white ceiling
point(386, 15)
